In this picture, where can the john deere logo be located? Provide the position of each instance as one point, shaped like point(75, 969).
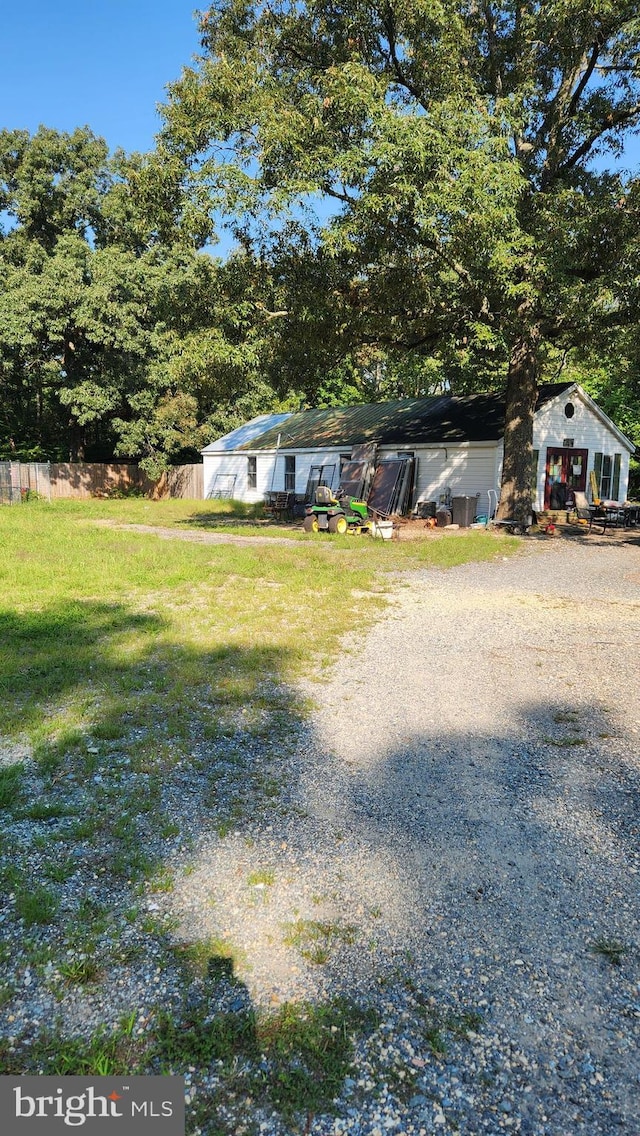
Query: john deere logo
point(133, 1106)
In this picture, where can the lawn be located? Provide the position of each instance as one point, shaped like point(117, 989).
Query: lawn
point(128, 659)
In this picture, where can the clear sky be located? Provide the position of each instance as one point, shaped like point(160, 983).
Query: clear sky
point(97, 63)
point(103, 64)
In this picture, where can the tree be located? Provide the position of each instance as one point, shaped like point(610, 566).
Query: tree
point(118, 335)
point(461, 146)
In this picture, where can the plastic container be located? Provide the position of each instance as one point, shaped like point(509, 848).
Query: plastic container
point(383, 529)
point(443, 518)
point(464, 511)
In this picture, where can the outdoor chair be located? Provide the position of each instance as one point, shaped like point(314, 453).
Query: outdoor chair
point(280, 505)
point(603, 513)
point(583, 509)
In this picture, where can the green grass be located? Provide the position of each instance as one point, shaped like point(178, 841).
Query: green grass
point(208, 958)
point(108, 632)
point(261, 877)
point(565, 743)
point(10, 785)
point(80, 971)
point(315, 939)
point(610, 949)
point(293, 1059)
point(124, 655)
point(36, 904)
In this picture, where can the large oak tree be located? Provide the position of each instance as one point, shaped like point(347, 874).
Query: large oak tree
point(468, 151)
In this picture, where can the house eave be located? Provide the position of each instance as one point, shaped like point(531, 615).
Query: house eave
point(575, 388)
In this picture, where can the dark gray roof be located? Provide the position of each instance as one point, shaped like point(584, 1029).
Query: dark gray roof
point(407, 421)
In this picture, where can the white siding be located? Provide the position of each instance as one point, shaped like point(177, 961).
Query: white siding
point(270, 468)
point(465, 471)
point(552, 427)
point(228, 465)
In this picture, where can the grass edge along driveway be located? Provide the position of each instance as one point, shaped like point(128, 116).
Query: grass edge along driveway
point(130, 666)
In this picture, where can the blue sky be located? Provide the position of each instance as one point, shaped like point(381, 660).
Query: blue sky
point(101, 63)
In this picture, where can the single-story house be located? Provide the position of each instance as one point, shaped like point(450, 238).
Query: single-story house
point(456, 441)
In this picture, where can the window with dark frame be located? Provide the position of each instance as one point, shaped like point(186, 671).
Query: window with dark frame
point(252, 473)
point(290, 473)
point(607, 471)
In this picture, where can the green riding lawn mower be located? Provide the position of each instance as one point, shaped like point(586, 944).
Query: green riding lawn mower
point(339, 514)
point(366, 492)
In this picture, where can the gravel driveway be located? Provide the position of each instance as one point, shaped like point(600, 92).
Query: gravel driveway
point(464, 831)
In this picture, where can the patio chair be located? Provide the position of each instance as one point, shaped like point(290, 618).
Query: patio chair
point(280, 505)
point(601, 514)
point(583, 509)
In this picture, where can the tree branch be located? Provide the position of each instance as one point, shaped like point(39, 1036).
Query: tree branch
point(271, 315)
point(490, 23)
point(340, 195)
point(616, 118)
point(389, 25)
point(431, 338)
point(586, 74)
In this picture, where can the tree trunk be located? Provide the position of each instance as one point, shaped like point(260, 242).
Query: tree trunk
point(522, 391)
point(76, 441)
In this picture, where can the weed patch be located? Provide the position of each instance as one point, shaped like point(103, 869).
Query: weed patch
point(209, 958)
point(610, 949)
point(295, 1058)
point(566, 743)
point(262, 877)
point(10, 785)
point(80, 971)
point(315, 939)
point(36, 904)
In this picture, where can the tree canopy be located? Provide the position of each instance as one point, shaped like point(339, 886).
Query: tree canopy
point(465, 148)
point(424, 195)
point(117, 335)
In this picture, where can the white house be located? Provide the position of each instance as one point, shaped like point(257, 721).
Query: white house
point(456, 442)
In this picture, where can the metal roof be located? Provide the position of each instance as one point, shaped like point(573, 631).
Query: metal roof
point(408, 421)
point(244, 435)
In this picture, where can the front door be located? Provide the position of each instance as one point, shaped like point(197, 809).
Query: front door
point(566, 471)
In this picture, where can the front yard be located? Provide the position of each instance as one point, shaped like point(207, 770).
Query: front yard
point(147, 695)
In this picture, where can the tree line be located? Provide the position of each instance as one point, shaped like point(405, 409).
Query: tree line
point(422, 195)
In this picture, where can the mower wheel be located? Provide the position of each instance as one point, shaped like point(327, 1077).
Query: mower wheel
point(311, 524)
point(338, 524)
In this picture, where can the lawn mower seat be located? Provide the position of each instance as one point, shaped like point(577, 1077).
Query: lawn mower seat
point(324, 496)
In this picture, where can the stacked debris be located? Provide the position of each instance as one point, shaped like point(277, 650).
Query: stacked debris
point(387, 487)
point(392, 487)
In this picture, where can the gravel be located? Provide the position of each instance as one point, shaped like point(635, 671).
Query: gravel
point(457, 833)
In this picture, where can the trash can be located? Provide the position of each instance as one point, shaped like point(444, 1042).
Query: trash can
point(443, 518)
point(464, 511)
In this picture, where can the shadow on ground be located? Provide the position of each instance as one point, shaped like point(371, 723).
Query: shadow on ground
point(476, 882)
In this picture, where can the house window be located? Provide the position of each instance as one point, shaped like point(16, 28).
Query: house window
point(252, 473)
point(607, 471)
point(569, 410)
point(290, 473)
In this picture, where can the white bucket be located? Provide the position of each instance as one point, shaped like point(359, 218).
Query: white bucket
point(383, 529)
